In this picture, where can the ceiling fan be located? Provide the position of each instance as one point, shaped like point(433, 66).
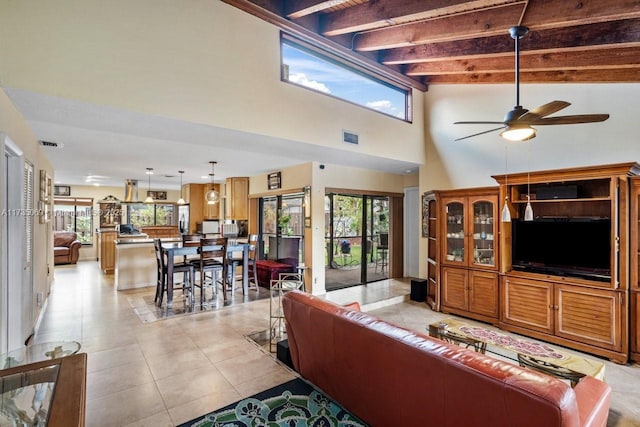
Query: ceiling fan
point(518, 123)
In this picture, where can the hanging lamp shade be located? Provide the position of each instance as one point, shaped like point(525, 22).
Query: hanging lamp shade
point(212, 196)
point(506, 213)
point(528, 211)
point(180, 200)
point(149, 199)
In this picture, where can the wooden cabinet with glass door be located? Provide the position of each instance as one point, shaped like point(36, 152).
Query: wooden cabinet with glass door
point(634, 267)
point(431, 231)
point(468, 258)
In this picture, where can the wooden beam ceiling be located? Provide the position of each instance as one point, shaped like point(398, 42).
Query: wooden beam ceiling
point(466, 42)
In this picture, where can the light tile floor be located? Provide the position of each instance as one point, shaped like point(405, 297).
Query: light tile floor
point(170, 371)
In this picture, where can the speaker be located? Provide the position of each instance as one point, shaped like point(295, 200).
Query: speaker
point(557, 192)
point(418, 290)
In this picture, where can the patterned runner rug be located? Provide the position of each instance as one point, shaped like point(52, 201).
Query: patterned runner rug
point(294, 403)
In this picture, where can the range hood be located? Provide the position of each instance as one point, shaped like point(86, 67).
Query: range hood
point(130, 190)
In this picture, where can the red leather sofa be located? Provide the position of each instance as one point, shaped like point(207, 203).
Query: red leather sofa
point(66, 247)
point(388, 375)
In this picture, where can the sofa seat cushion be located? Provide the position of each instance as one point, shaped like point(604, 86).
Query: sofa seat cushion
point(61, 250)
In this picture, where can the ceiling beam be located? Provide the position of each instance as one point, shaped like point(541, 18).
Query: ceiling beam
point(317, 40)
point(459, 27)
point(621, 33)
point(539, 15)
point(298, 9)
point(626, 75)
point(384, 13)
point(577, 59)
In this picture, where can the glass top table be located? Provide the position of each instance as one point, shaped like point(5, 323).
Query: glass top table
point(38, 352)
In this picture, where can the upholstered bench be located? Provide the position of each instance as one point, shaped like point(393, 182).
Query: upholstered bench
point(269, 270)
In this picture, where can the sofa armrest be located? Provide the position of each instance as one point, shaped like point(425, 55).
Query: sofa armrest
point(74, 251)
point(593, 397)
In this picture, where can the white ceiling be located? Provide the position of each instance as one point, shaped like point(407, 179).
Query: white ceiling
point(112, 145)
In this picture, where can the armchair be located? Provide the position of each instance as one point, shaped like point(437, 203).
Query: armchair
point(66, 247)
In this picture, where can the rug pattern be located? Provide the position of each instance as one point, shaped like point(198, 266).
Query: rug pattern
point(292, 404)
point(520, 346)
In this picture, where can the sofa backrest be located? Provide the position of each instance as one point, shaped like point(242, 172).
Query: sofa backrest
point(388, 375)
point(64, 238)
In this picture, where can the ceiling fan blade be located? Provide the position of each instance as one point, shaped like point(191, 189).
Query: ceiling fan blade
point(569, 120)
point(478, 123)
point(480, 133)
point(550, 108)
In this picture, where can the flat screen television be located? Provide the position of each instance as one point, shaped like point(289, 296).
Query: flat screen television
point(577, 247)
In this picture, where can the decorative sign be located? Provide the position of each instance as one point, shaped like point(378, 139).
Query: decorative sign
point(157, 195)
point(274, 181)
point(61, 190)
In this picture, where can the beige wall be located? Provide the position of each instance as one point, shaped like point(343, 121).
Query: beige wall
point(331, 176)
point(188, 61)
point(15, 127)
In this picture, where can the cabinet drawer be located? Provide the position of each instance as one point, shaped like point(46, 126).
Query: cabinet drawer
point(527, 303)
point(591, 316)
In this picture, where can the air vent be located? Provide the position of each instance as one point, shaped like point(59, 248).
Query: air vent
point(350, 137)
point(50, 144)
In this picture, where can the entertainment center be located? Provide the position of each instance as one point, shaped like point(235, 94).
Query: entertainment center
point(569, 276)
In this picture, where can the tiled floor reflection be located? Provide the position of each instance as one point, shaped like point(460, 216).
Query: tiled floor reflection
point(166, 372)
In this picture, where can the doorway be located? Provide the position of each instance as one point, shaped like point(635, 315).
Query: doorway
point(12, 252)
point(356, 240)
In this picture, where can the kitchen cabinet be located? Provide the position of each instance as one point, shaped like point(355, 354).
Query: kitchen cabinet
point(237, 198)
point(107, 249)
point(199, 210)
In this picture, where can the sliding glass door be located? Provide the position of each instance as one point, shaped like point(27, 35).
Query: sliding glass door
point(355, 250)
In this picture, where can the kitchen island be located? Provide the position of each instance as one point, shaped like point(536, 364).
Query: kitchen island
point(135, 263)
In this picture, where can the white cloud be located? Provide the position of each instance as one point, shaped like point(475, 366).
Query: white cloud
point(301, 79)
point(385, 106)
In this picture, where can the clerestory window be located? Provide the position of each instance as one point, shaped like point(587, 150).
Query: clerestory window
point(311, 67)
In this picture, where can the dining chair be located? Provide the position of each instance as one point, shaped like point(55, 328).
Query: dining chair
point(191, 240)
point(161, 269)
point(253, 257)
point(212, 256)
point(382, 259)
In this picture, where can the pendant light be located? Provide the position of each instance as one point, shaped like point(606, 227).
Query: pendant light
point(149, 199)
point(528, 211)
point(180, 200)
point(506, 214)
point(212, 197)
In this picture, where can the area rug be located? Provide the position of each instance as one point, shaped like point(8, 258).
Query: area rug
point(294, 403)
point(142, 302)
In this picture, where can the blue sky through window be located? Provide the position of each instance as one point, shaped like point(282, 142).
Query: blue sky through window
point(322, 75)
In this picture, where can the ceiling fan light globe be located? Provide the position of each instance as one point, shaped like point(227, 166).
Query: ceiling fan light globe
point(518, 133)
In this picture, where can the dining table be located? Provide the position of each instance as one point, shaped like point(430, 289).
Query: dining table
point(173, 249)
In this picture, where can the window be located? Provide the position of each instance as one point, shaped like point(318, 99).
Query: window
point(142, 214)
point(316, 69)
point(74, 214)
point(282, 216)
